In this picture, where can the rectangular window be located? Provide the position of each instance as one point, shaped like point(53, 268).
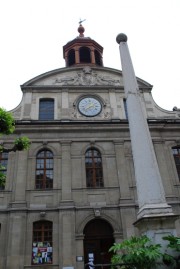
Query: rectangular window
point(46, 109)
point(44, 170)
point(94, 173)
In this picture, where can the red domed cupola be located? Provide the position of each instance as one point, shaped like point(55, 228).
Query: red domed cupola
point(82, 51)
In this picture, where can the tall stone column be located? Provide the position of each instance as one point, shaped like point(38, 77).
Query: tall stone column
point(150, 191)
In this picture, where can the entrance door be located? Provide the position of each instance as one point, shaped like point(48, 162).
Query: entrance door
point(97, 241)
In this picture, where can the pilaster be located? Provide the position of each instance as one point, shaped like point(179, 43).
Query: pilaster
point(79, 251)
point(16, 240)
point(66, 172)
point(161, 153)
point(121, 170)
point(67, 224)
point(113, 102)
point(19, 199)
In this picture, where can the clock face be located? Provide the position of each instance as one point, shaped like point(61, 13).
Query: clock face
point(89, 106)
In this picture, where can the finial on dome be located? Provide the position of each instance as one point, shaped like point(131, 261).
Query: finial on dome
point(81, 28)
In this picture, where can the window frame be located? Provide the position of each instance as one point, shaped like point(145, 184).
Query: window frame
point(46, 111)
point(177, 157)
point(42, 163)
point(94, 173)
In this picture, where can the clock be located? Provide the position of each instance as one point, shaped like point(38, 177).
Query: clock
point(89, 106)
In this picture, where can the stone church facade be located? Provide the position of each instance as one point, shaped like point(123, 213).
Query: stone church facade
point(73, 193)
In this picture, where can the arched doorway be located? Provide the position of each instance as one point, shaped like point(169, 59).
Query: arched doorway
point(98, 238)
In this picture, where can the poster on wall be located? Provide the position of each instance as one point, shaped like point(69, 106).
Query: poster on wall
point(91, 260)
point(41, 253)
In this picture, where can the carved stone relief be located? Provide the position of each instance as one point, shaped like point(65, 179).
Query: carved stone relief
point(87, 77)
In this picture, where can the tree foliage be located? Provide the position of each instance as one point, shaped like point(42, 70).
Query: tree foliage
point(2, 177)
point(138, 252)
point(173, 261)
point(7, 123)
point(7, 127)
point(174, 242)
point(22, 143)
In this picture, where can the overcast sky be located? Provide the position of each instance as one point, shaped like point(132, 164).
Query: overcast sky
point(34, 31)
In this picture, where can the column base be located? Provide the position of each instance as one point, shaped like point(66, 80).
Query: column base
point(155, 210)
point(156, 227)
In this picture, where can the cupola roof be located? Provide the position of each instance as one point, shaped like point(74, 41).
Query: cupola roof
point(82, 50)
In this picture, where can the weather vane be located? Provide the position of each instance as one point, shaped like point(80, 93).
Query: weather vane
point(81, 21)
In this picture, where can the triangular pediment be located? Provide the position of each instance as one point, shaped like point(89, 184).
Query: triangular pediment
point(81, 76)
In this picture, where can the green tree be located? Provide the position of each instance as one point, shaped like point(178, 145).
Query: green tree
point(7, 127)
point(172, 256)
point(136, 252)
point(7, 122)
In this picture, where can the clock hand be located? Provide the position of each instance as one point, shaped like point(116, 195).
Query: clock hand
point(91, 105)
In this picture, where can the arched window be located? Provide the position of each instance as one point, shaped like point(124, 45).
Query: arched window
point(94, 173)
point(97, 58)
point(44, 170)
point(46, 109)
point(84, 54)
point(3, 166)
point(71, 57)
point(176, 154)
point(42, 241)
